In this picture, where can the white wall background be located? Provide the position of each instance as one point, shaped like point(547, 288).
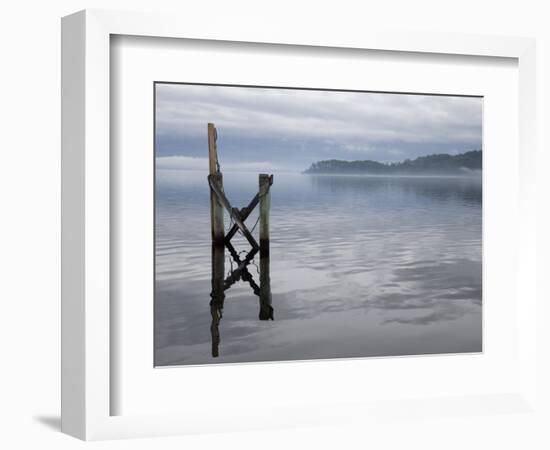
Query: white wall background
point(30, 197)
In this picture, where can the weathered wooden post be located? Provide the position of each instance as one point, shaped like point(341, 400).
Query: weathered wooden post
point(266, 310)
point(265, 204)
point(216, 208)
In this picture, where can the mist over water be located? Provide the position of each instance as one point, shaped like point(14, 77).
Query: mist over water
point(360, 266)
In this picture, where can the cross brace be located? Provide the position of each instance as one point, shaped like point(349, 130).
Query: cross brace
point(237, 215)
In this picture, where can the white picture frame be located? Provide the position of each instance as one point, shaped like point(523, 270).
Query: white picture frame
point(86, 277)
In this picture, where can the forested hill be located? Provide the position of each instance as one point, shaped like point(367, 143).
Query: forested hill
point(463, 163)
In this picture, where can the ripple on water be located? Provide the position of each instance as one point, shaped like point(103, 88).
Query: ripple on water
point(358, 268)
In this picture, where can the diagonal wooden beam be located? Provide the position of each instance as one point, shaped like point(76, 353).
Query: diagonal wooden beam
point(233, 212)
point(245, 212)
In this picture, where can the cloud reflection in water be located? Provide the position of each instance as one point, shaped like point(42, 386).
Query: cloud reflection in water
point(360, 266)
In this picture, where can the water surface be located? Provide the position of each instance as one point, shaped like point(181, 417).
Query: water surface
point(359, 266)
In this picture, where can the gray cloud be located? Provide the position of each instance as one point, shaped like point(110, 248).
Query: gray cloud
point(292, 128)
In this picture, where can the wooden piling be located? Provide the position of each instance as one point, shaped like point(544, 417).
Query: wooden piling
point(216, 208)
point(212, 149)
point(265, 204)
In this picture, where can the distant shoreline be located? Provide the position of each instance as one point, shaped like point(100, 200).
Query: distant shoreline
point(477, 175)
point(204, 172)
point(442, 164)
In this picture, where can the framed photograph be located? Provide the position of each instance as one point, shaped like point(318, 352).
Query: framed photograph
point(301, 218)
point(364, 239)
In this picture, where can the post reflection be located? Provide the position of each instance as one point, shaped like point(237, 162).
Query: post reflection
point(217, 295)
point(266, 310)
point(220, 283)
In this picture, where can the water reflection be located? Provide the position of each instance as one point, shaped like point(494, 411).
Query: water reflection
point(240, 272)
point(360, 266)
point(440, 189)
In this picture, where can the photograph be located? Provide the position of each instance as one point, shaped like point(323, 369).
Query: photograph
point(298, 224)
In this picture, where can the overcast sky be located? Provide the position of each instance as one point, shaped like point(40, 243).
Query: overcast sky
point(286, 129)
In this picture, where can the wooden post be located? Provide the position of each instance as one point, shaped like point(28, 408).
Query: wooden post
point(266, 310)
point(212, 149)
point(216, 208)
point(265, 204)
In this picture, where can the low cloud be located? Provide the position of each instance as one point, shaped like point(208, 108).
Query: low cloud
point(201, 164)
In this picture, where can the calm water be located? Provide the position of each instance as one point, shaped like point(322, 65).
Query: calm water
point(360, 266)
